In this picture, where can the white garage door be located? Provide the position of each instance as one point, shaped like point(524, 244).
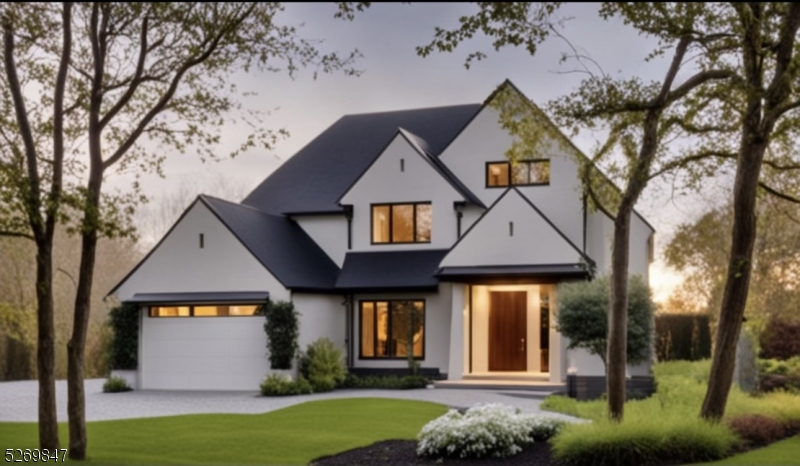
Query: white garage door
point(185, 352)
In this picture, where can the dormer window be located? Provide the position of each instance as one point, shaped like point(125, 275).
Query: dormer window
point(401, 223)
point(522, 173)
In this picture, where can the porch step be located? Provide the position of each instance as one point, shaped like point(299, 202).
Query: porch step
point(543, 388)
point(509, 376)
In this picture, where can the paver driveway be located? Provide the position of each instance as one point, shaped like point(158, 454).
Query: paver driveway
point(18, 400)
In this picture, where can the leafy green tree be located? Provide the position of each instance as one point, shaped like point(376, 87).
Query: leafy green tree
point(583, 317)
point(282, 328)
point(32, 163)
point(639, 118)
point(765, 99)
point(124, 73)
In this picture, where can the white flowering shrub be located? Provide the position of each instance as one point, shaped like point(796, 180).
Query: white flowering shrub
point(483, 430)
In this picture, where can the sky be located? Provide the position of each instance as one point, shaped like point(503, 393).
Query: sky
point(394, 77)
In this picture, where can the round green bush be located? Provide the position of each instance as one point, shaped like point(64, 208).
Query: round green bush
point(323, 365)
point(116, 384)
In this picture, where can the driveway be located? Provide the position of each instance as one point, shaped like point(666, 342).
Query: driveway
point(18, 400)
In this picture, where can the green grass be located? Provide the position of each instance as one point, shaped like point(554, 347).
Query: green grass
point(294, 435)
point(783, 452)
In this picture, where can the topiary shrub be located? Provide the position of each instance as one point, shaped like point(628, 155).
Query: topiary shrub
point(283, 385)
point(583, 317)
point(116, 384)
point(282, 329)
point(124, 350)
point(756, 430)
point(323, 365)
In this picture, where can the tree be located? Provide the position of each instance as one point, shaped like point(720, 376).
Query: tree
point(135, 72)
point(766, 106)
point(699, 251)
point(583, 317)
point(639, 118)
point(29, 208)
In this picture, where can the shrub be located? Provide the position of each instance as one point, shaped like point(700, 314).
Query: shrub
point(283, 385)
point(780, 339)
point(282, 328)
point(390, 382)
point(124, 351)
point(779, 375)
point(756, 430)
point(583, 316)
point(483, 431)
point(323, 365)
point(649, 440)
point(116, 384)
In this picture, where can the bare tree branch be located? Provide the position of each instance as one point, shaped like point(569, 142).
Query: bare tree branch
point(778, 194)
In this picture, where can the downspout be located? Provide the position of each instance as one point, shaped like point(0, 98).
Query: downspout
point(348, 213)
point(584, 223)
point(459, 214)
point(349, 321)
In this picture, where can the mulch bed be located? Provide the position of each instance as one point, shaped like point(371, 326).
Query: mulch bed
point(404, 452)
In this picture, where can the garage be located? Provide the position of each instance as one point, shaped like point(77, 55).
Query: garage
point(202, 341)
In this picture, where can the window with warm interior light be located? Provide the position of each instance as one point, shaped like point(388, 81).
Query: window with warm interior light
point(392, 329)
point(401, 223)
point(522, 173)
point(206, 310)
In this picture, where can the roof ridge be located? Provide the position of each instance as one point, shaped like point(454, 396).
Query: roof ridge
point(238, 204)
point(471, 104)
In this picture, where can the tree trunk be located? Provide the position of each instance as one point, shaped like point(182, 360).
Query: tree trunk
point(76, 405)
point(45, 354)
point(737, 285)
point(618, 315)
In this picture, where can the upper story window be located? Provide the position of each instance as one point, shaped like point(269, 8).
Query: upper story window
point(522, 173)
point(401, 223)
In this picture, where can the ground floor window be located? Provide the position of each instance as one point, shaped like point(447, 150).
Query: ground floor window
point(392, 329)
point(206, 310)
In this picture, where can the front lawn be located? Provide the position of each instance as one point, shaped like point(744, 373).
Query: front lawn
point(783, 452)
point(294, 435)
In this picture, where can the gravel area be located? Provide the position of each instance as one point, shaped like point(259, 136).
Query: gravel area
point(18, 400)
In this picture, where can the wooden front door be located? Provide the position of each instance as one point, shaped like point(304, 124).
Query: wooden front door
point(508, 331)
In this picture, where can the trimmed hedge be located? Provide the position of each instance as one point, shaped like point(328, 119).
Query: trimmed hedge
point(683, 337)
point(124, 351)
point(388, 382)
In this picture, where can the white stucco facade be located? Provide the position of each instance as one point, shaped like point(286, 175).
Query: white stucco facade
point(524, 226)
point(402, 175)
point(179, 264)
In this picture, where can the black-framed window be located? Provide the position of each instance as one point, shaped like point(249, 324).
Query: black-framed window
point(401, 223)
point(522, 173)
point(206, 310)
point(389, 327)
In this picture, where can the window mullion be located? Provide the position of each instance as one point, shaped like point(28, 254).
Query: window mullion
point(414, 223)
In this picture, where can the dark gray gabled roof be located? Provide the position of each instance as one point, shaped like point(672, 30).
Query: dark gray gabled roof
point(221, 297)
point(390, 270)
point(422, 147)
point(314, 179)
point(279, 244)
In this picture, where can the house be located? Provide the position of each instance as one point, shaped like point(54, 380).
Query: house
point(381, 214)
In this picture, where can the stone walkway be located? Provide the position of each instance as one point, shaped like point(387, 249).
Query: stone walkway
point(18, 401)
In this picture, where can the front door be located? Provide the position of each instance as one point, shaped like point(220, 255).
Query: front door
point(508, 331)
